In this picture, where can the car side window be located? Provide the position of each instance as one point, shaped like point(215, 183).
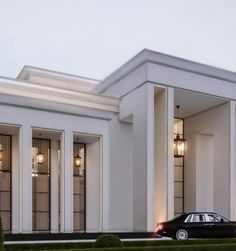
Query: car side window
point(213, 218)
point(198, 218)
point(188, 219)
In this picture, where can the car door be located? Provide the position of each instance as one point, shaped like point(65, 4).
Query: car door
point(197, 226)
point(221, 227)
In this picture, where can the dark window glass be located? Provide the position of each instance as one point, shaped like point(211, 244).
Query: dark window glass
point(5, 182)
point(178, 172)
point(41, 186)
point(79, 180)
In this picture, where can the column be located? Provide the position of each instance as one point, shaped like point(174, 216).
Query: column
point(67, 182)
point(54, 187)
point(170, 153)
point(26, 178)
point(163, 170)
point(150, 156)
point(232, 139)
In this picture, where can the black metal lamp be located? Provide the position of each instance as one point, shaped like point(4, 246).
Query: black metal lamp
point(179, 143)
point(39, 155)
point(77, 160)
point(1, 153)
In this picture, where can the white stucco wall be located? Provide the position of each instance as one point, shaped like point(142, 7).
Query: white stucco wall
point(204, 173)
point(121, 176)
point(216, 121)
point(28, 119)
point(93, 187)
point(136, 105)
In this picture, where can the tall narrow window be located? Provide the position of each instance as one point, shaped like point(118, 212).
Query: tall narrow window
point(79, 179)
point(5, 182)
point(178, 171)
point(41, 185)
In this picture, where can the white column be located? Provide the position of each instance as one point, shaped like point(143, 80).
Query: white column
point(15, 184)
point(26, 178)
point(150, 157)
point(164, 171)
point(105, 174)
point(232, 139)
point(62, 183)
point(68, 181)
point(54, 214)
point(170, 153)
point(93, 190)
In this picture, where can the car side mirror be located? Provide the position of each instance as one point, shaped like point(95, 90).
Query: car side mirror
point(222, 220)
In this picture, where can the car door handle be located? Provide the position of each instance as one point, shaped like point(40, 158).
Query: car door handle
point(209, 224)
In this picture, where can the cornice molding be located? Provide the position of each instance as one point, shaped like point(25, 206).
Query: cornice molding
point(149, 56)
point(67, 97)
point(56, 79)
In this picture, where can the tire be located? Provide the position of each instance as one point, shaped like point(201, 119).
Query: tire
point(181, 234)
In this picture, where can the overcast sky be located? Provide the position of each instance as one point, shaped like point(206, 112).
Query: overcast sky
point(94, 37)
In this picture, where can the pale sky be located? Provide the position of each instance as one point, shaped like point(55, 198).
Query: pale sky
point(92, 38)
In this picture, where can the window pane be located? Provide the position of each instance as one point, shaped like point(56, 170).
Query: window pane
point(178, 189)
point(178, 171)
point(5, 182)
point(79, 186)
point(41, 186)
point(178, 205)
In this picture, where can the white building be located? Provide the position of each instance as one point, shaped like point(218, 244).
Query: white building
point(82, 156)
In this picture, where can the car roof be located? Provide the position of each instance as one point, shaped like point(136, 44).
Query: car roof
point(200, 213)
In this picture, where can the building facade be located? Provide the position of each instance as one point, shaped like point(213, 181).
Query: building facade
point(84, 156)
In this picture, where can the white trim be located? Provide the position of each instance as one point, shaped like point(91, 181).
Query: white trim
point(148, 56)
point(46, 93)
point(29, 70)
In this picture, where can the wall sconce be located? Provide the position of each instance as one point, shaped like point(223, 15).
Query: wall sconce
point(1, 153)
point(78, 164)
point(179, 147)
point(39, 155)
point(77, 161)
point(179, 143)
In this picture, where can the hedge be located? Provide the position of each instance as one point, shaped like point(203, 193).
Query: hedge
point(211, 247)
point(107, 241)
point(128, 245)
point(176, 242)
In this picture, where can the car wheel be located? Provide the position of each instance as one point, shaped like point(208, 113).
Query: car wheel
point(181, 234)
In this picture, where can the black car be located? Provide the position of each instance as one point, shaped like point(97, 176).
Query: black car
point(197, 225)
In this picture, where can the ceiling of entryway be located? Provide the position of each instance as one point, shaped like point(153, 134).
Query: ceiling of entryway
point(192, 103)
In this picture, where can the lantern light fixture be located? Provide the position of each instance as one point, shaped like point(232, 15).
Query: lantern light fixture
point(39, 155)
point(77, 160)
point(1, 153)
point(179, 142)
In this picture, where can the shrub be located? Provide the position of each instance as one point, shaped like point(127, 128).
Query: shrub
point(107, 241)
point(1, 236)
